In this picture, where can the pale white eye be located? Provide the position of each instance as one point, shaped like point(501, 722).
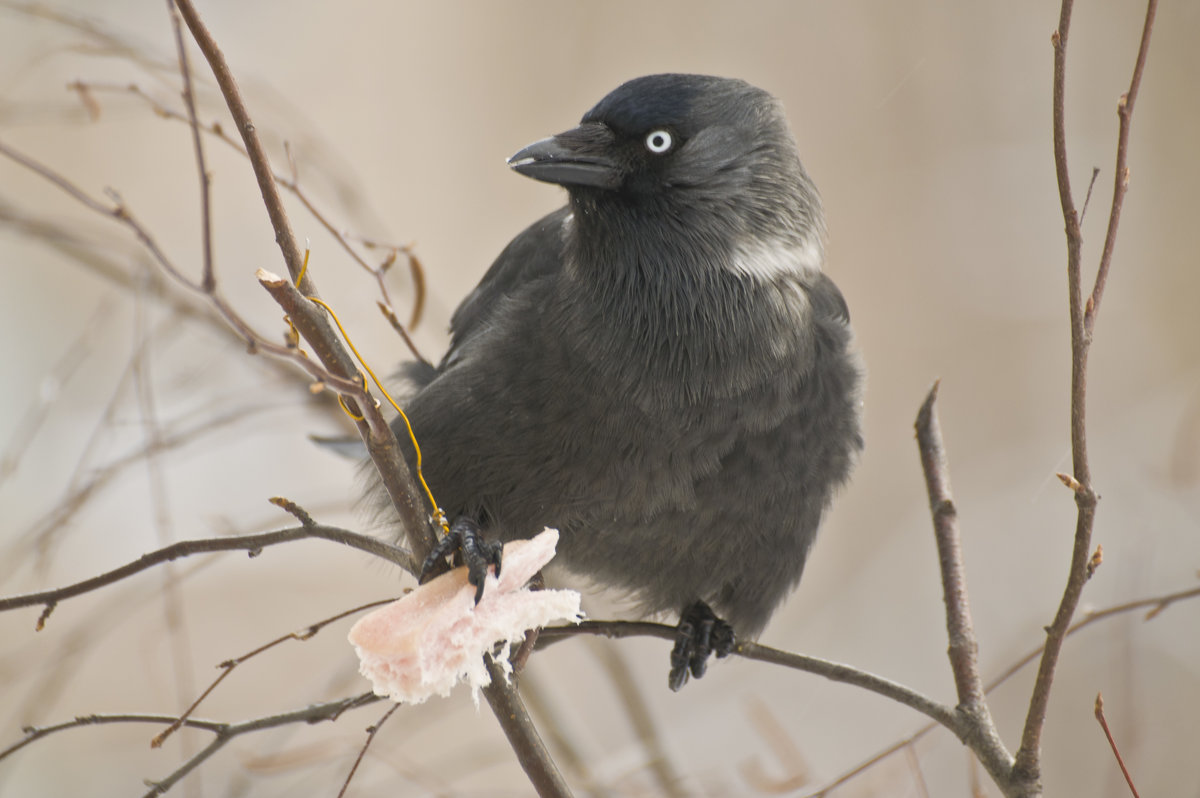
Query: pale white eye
point(659, 141)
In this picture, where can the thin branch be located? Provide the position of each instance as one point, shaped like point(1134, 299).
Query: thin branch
point(1121, 174)
point(284, 237)
point(35, 733)
point(1027, 767)
point(314, 713)
point(208, 281)
point(292, 184)
point(830, 670)
point(670, 784)
point(978, 729)
point(1113, 744)
point(227, 667)
point(254, 544)
point(372, 730)
point(838, 672)
point(49, 391)
point(122, 214)
point(1154, 604)
point(964, 649)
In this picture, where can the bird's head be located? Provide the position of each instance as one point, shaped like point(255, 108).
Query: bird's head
point(716, 146)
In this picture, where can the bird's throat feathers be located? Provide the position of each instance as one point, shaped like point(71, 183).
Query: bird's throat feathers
point(718, 306)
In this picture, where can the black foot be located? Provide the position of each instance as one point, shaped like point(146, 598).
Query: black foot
point(464, 541)
point(699, 634)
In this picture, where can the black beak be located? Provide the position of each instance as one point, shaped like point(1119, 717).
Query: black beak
point(581, 156)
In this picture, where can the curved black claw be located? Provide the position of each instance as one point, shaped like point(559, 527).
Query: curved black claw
point(465, 543)
point(699, 634)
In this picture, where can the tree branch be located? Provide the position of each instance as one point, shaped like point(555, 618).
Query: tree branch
point(1027, 764)
point(509, 709)
point(834, 671)
point(964, 649)
point(381, 443)
point(208, 280)
point(1121, 173)
point(254, 544)
point(978, 729)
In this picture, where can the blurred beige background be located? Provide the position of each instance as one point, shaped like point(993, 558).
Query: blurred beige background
point(927, 128)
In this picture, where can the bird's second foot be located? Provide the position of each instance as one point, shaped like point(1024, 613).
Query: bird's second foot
point(700, 633)
point(465, 545)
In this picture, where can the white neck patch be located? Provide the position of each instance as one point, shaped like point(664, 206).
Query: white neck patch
point(773, 259)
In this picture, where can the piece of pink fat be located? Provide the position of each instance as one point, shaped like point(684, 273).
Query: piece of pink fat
point(424, 643)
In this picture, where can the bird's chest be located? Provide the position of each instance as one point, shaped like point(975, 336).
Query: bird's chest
point(642, 436)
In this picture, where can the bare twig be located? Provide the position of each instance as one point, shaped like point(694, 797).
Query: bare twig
point(225, 732)
point(227, 667)
point(372, 730)
point(174, 608)
point(979, 729)
point(314, 713)
point(1113, 744)
point(964, 650)
point(254, 544)
point(784, 749)
point(1121, 173)
point(1153, 604)
point(292, 184)
point(670, 785)
point(830, 670)
point(208, 281)
point(1027, 768)
point(49, 392)
point(121, 213)
point(284, 237)
point(914, 766)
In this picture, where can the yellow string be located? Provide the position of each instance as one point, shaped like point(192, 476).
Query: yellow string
point(438, 515)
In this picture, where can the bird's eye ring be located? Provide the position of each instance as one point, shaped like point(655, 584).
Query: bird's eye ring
point(659, 141)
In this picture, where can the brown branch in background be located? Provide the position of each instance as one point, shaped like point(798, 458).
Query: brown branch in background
point(914, 767)
point(1027, 768)
point(208, 281)
point(566, 752)
point(379, 272)
point(783, 748)
point(121, 213)
point(227, 667)
point(254, 544)
point(49, 392)
point(415, 269)
point(314, 713)
point(669, 782)
point(396, 477)
point(173, 607)
point(506, 704)
point(292, 184)
point(43, 534)
point(1154, 605)
point(372, 730)
point(1113, 744)
point(259, 161)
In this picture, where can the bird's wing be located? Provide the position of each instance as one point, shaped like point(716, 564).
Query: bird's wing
point(536, 253)
point(827, 301)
